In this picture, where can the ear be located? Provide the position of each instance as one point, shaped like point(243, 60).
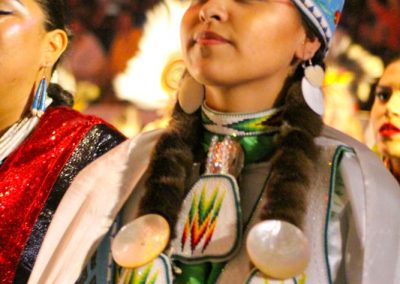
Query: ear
point(56, 43)
point(308, 49)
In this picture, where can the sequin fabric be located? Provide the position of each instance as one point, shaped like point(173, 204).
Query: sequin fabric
point(96, 142)
point(28, 175)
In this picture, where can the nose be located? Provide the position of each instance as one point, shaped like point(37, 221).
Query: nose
point(213, 11)
point(393, 105)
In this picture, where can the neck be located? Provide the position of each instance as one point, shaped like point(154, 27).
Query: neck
point(8, 119)
point(252, 96)
point(12, 109)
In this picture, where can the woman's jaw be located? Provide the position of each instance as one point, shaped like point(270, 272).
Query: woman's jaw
point(242, 54)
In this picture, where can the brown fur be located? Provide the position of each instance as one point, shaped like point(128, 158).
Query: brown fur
point(171, 166)
point(292, 165)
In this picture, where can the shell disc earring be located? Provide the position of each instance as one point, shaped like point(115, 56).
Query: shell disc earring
point(311, 87)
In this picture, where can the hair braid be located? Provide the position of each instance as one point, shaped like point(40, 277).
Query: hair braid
point(293, 163)
point(170, 169)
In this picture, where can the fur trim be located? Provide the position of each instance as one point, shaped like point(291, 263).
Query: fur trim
point(171, 167)
point(292, 164)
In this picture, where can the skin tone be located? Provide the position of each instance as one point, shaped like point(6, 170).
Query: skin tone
point(242, 51)
point(385, 115)
point(27, 53)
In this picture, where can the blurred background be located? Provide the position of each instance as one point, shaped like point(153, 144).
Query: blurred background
point(124, 62)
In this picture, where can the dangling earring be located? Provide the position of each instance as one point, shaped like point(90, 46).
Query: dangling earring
point(39, 100)
point(311, 87)
point(190, 94)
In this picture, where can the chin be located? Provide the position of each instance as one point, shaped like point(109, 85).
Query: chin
point(208, 75)
point(211, 79)
point(391, 149)
point(201, 77)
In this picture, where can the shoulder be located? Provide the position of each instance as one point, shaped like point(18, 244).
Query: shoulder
point(120, 169)
point(357, 160)
point(63, 114)
point(145, 141)
point(65, 117)
point(368, 161)
point(133, 154)
point(340, 138)
point(65, 126)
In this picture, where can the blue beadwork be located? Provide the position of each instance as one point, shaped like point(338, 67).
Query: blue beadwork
point(39, 100)
point(323, 15)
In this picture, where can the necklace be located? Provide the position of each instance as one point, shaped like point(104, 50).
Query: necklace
point(17, 133)
point(255, 132)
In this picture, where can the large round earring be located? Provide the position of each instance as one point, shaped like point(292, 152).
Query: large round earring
point(314, 73)
point(311, 87)
point(39, 100)
point(190, 94)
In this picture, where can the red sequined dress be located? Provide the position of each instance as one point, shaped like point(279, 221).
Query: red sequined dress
point(34, 178)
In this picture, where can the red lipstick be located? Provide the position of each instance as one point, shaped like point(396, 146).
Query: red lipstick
point(387, 130)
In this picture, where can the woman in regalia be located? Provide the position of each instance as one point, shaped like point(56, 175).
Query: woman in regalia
point(43, 142)
point(385, 117)
point(246, 185)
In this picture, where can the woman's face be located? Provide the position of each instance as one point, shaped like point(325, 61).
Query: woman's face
point(385, 114)
point(22, 46)
point(230, 42)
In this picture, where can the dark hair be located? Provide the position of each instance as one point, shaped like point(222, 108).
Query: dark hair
point(392, 60)
point(312, 33)
point(54, 11)
point(55, 14)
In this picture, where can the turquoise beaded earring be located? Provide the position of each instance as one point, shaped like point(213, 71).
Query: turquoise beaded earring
point(39, 100)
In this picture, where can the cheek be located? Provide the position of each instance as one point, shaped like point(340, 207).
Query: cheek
point(268, 41)
point(186, 26)
point(183, 37)
point(377, 112)
point(391, 148)
point(19, 54)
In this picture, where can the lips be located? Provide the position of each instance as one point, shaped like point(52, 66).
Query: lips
point(209, 38)
point(388, 130)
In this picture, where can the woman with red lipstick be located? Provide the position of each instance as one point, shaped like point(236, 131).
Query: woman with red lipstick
point(385, 117)
point(246, 185)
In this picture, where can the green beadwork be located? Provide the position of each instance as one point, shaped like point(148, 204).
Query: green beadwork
point(254, 132)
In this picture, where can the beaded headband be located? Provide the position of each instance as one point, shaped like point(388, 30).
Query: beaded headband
point(324, 15)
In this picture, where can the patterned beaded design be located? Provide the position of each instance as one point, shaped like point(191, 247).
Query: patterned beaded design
point(323, 14)
point(240, 124)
